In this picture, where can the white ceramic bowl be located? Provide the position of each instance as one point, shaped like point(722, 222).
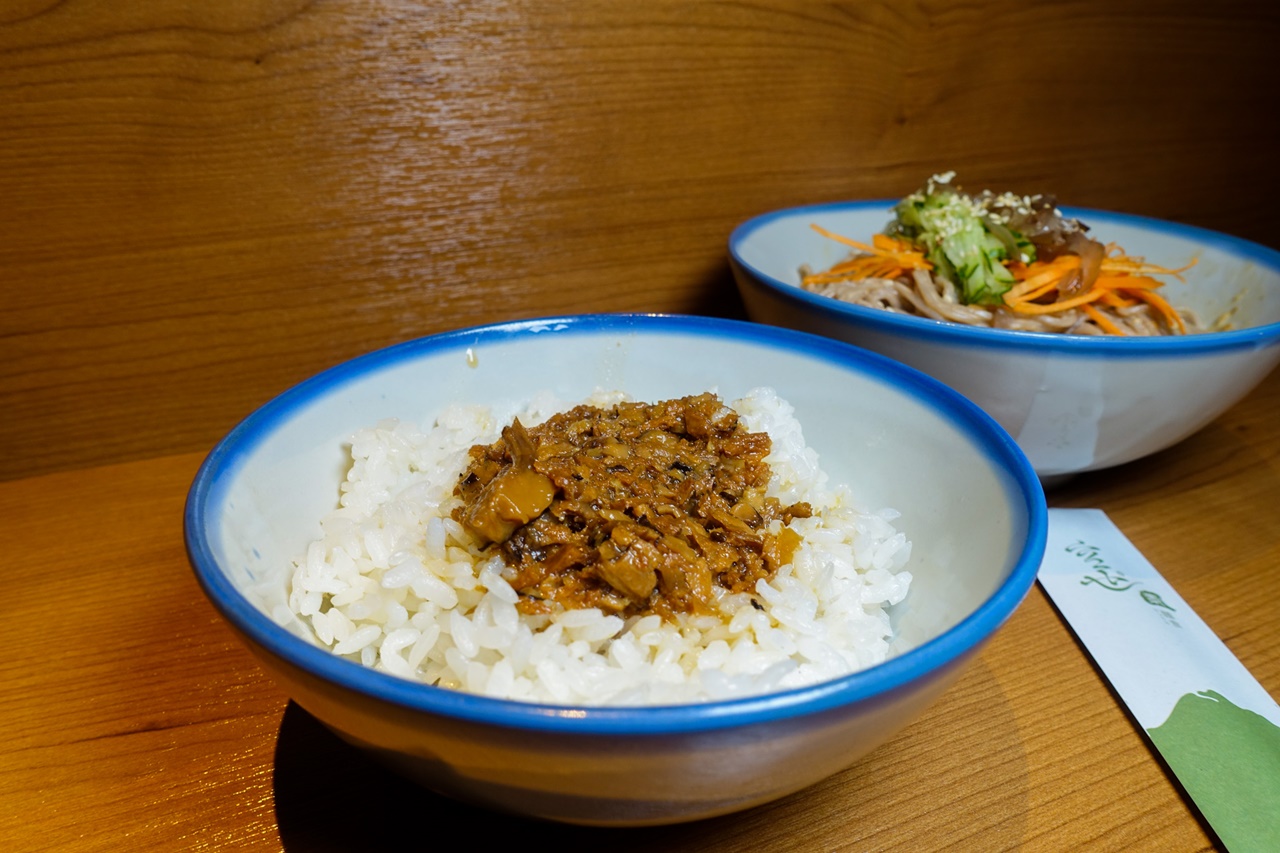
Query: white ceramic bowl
point(970, 504)
point(1073, 403)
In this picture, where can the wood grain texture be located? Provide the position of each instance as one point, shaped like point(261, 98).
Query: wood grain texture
point(134, 717)
point(205, 203)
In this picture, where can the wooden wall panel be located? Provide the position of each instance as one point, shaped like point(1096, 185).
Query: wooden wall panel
point(204, 203)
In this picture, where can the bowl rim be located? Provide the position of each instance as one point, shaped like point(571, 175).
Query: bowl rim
point(925, 328)
point(931, 657)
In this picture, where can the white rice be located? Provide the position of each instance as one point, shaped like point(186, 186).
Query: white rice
point(398, 585)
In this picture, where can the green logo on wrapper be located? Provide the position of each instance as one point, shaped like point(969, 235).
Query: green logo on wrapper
point(1101, 573)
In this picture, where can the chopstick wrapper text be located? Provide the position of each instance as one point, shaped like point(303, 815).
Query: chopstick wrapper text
point(1215, 726)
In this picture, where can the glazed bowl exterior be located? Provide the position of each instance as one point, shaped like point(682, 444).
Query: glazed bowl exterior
point(1073, 403)
point(970, 504)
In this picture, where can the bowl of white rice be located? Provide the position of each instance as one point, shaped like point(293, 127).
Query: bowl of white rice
point(331, 532)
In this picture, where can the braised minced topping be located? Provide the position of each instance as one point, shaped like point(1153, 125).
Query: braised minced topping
point(639, 508)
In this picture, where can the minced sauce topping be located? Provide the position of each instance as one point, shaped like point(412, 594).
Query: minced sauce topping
point(638, 508)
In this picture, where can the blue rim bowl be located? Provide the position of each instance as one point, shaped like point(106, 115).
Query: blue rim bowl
point(1073, 402)
point(324, 683)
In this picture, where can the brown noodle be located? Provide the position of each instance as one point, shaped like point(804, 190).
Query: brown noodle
point(923, 294)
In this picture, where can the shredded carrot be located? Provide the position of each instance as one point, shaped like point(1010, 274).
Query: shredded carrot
point(1127, 282)
point(1116, 261)
point(1039, 290)
point(885, 258)
point(840, 238)
point(1122, 281)
point(1115, 300)
point(1038, 275)
point(1171, 317)
point(1055, 307)
point(1103, 322)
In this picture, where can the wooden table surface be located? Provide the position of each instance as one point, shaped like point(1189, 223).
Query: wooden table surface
point(206, 202)
point(134, 720)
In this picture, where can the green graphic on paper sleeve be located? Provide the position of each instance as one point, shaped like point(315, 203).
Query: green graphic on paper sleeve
point(1228, 760)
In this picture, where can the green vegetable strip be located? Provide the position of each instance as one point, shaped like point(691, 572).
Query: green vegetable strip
point(965, 246)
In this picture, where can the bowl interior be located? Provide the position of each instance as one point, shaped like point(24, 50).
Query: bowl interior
point(1232, 278)
point(969, 500)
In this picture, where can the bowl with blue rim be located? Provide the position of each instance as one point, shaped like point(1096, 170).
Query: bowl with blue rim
point(966, 497)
